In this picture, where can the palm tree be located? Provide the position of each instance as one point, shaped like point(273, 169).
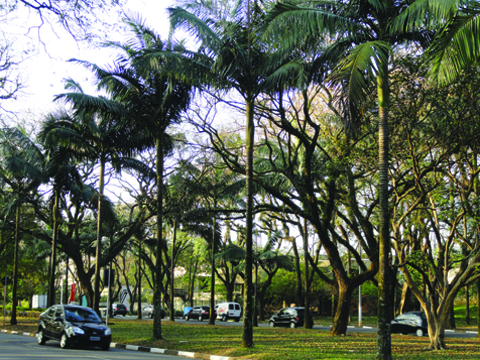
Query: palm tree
point(20, 171)
point(234, 56)
point(65, 177)
point(156, 100)
point(92, 134)
point(366, 33)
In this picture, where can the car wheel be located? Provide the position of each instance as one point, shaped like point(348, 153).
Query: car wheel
point(271, 324)
point(224, 318)
point(200, 318)
point(105, 347)
point(293, 325)
point(237, 319)
point(124, 315)
point(186, 317)
point(41, 338)
point(64, 341)
point(149, 316)
point(419, 332)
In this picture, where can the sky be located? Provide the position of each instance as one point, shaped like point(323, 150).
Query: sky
point(45, 66)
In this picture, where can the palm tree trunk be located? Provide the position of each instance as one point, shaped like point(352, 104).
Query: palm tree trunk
point(247, 338)
point(308, 319)
point(98, 248)
point(139, 300)
point(384, 341)
point(13, 318)
point(53, 258)
point(157, 296)
point(172, 275)
point(212, 276)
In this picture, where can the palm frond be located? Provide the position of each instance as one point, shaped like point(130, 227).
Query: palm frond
point(359, 70)
point(456, 47)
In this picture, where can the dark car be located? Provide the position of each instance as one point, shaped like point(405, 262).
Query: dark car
point(410, 322)
point(198, 312)
point(148, 311)
point(292, 317)
point(117, 309)
point(73, 325)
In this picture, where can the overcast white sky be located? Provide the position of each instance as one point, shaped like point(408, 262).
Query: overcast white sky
point(43, 70)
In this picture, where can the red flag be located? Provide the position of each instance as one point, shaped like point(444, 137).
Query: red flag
point(72, 292)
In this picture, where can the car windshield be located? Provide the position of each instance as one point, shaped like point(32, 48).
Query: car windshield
point(81, 315)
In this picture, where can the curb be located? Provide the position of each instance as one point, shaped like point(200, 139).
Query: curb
point(144, 349)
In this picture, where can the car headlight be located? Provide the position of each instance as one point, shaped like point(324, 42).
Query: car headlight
point(78, 331)
point(108, 331)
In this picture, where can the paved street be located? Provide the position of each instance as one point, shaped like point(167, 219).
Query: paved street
point(18, 347)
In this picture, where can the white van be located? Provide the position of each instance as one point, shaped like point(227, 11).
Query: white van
point(229, 310)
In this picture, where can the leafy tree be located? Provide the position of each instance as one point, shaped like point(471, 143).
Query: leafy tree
point(234, 57)
point(93, 135)
point(366, 33)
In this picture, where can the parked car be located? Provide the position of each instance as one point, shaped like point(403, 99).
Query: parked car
point(117, 309)
point(228, 310)
point(148, 311)
point(198, 312)
point(73, 325)
point(291, 316)
point(410, 322)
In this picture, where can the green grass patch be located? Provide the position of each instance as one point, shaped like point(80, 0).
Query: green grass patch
point(284, 343)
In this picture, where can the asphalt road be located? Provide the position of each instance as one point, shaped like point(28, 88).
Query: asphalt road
point(448, 333)
point(18, 347)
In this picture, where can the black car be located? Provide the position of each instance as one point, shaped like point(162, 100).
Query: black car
point(292, 317)
point(410, 322)
point(198, 312)
point(117, 309)
point(73, 325)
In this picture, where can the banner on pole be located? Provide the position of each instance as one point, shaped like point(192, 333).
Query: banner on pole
point(73, 287)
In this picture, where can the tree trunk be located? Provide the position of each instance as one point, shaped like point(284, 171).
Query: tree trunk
point(172, 275)
point(247, 336)
point(384, 341)
point(299, 296)
point(139, 264)
point(53, 257)
point(211, 320)
point(13, 317)
point(478, 308)
point(467, 305)
point(406, 295)
point(436, 332)
point(98, 249)
point(157, 295)
point(308, 323)
point(342, 313)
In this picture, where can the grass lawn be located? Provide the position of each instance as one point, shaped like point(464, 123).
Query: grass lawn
point(275, 343)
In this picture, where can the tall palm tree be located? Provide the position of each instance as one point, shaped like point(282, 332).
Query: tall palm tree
point(365, 34)
point(20, 171)
point(65, 179)
point(235, 58)
point(95, 134)
point(155, 99)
